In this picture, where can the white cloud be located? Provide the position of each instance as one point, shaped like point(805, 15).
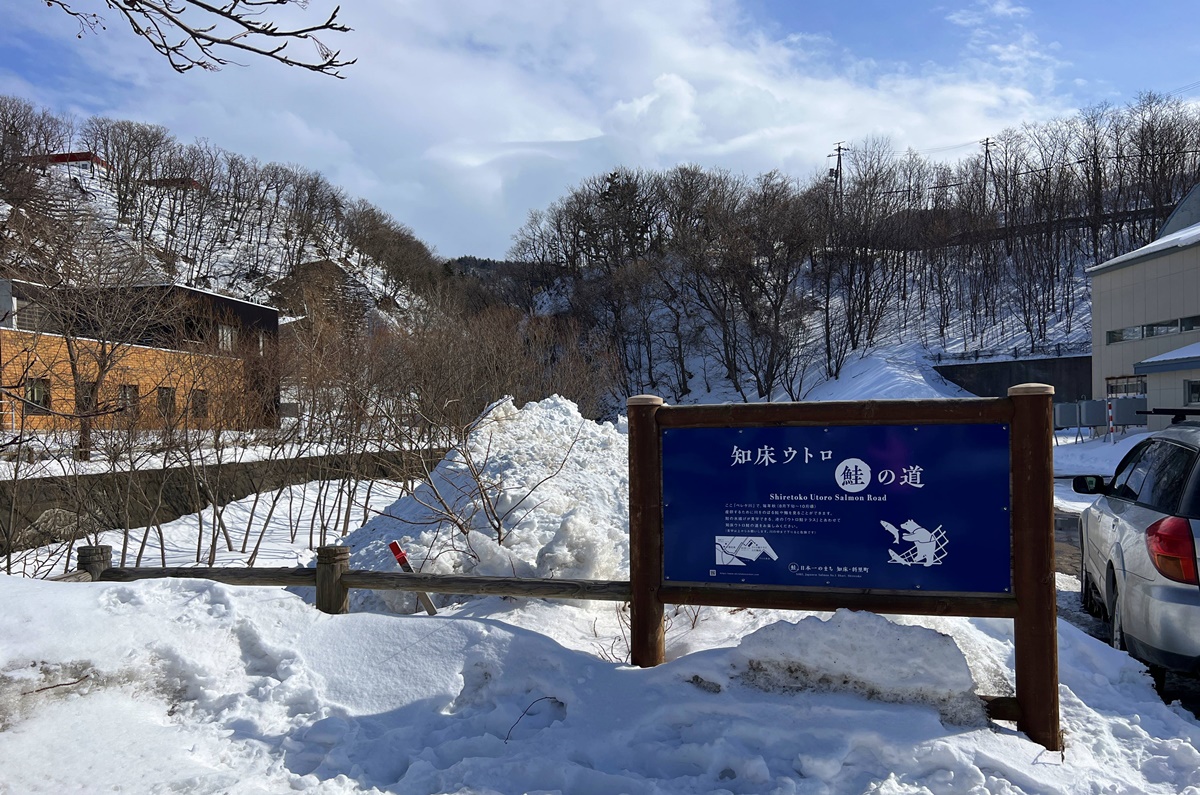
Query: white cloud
point(982, 11)
point(460, 117)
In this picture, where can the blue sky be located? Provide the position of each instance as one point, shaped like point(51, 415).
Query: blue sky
point(460, 117)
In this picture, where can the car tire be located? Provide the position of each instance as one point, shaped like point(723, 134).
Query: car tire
point(1087, 593)
point(1115, 624)
point(1159, 675)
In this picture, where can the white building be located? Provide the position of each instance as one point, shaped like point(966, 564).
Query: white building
point(1146, 318)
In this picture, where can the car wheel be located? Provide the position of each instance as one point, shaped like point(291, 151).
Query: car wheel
point(1087, 593)
point(1116, 627)
point(1159, 675)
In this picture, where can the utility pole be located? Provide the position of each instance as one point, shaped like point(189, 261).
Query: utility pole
point(835, 175)
point(988, 143)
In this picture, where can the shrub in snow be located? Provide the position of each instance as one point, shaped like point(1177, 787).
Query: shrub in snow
point(532, 492)
point(862, 653)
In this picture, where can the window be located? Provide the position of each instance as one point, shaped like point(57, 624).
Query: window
point(198, 401)
point(127, 398)
point(1161, 328)
point(226, 337)
point(1123, 334)
point(1125, 385)
point(1167, 467)
point(1191, 393)
point(166, 402)
point(37, 396)
point(1137, 476)
point(31, 317)
point(1119, 486)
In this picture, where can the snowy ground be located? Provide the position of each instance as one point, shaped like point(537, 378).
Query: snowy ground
point(52, 456)
point(186, 685)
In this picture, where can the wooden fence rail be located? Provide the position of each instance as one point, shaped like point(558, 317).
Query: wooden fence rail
point(333, 578)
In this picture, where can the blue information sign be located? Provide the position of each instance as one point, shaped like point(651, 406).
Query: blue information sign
point(895, 507)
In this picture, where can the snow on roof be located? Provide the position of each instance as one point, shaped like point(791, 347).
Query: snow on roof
point(1185, 358)
point(1188, 236)
point(1186, 352)
point(226, 296)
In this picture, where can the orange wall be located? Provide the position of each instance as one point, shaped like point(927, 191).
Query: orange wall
point(25, 354)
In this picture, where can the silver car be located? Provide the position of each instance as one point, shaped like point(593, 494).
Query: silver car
point(1138, 542)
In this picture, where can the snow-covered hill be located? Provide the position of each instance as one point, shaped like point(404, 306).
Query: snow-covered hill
point(201, 237)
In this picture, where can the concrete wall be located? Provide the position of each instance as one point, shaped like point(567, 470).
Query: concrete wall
point(40, 508)
point(1071, 376)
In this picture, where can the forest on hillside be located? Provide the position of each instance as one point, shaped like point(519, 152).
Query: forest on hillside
point(775, 279)
point(206, 215)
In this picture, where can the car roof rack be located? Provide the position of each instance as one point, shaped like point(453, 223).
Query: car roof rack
point(1176, 415)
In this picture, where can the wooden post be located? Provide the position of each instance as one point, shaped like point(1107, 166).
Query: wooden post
point(332, 594)
point(1036, 623)
point(647, 635)
point(93, 560)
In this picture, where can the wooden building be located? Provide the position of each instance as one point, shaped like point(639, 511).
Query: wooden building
point(145, 357)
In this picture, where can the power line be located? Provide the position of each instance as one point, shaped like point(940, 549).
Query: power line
point(936, 149)
point(1184, 89)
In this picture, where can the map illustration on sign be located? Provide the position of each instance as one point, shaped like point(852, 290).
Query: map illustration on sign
point(736, 550)
point(928, 546)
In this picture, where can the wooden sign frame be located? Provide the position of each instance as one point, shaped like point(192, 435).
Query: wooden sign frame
point(1032, 604)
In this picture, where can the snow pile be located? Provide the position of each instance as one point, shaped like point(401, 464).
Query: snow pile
point(214, 688)
point(922, 666)
point(534, 492)
point(901, 372)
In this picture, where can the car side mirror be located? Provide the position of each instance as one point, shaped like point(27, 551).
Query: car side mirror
point(1087, 484)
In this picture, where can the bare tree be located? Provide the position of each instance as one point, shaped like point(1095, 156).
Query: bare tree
point(27, 135)
point(193, 33)
point(89, 297)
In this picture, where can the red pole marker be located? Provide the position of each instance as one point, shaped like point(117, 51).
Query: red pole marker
point(402, 559)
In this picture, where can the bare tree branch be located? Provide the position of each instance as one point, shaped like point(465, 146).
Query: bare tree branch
point(194, 33)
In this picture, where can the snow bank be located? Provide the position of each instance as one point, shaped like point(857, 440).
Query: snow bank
point(922, 666)
point(534, 492)
point(193, 686)
point(902, 372)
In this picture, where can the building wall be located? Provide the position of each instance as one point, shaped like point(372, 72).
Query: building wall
point(1166, 390)
point(1162, 288)
point(27, 355)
